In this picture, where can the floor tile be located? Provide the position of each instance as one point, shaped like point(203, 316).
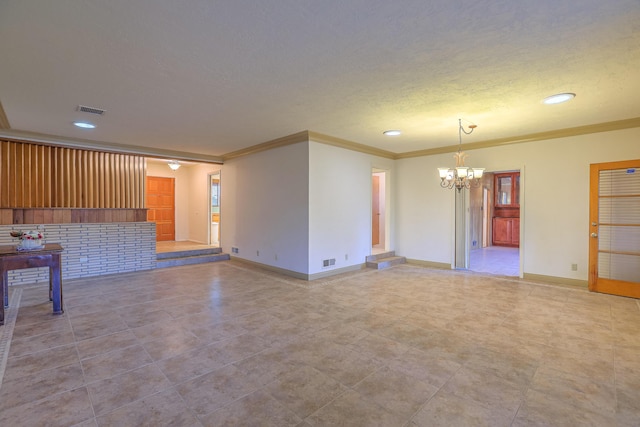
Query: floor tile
point(305, 390)
point(192, 364)
point(18, 367)
point(231, 344)
point(350, 409)
point(62, 409)
point(162, 409)
point(212, 391)
point(107, 395)
point(256, 409)
point(39, 385)
point(115, 362)
point(446, 409)
point(395, 391)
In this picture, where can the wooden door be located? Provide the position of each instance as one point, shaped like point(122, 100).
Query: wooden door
point(614, 228)
point(375, 211)
point(161, 206)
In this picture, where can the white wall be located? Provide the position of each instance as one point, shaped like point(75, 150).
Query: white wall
point(555, 204)
point(340, 205)
point(265, 207)
point(182, 186)
point(424, 212)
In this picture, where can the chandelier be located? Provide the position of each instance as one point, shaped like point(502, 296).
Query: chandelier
point(461, 176)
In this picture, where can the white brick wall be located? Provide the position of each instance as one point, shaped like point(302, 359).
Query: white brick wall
point(108, 248)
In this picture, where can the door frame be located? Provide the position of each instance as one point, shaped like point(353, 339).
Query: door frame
point(210, 176)
point(385, 206)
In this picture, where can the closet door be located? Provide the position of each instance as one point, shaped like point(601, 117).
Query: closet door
point(614, 228)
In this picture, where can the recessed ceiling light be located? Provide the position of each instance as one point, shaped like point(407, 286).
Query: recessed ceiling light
point(392, 132)
point(558, 98)
point(85, 125)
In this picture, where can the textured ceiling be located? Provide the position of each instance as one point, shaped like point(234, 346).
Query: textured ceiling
point(213, 77)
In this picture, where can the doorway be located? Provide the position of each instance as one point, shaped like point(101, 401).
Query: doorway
point(214, 208)
point(614, 228)
point(160, 195)
point(485, 203)
point(378, 211)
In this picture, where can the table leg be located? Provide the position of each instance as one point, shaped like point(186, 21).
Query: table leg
point(5, 287)
point(55, 284)
point(4, 294)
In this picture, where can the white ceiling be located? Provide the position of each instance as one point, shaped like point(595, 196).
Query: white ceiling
point(211, 77)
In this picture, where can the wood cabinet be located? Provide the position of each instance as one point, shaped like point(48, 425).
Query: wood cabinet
point(507, 187)
point(506, 231)
point(506, 212)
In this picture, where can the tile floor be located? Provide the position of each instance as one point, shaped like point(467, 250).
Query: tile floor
point(498, 260)
point(227, 344)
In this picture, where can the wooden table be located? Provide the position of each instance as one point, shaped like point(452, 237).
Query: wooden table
point(12, 259)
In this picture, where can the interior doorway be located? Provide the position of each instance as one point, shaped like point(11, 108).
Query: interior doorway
point(486, 203)
point(378, 211)
point(214, 208)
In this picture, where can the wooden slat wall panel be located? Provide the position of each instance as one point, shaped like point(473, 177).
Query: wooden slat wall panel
point(41, 176)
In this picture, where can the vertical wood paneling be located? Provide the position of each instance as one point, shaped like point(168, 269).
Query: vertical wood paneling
point(4, 176)
point(40, 176)
point(18, 174)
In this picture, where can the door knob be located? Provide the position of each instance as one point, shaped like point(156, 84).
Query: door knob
point(594, 235)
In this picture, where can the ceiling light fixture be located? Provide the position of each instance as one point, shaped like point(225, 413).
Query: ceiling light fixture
point(174, 165)
point(392, 132)
point(461, 176)
point(558, 98)
point(85, 125)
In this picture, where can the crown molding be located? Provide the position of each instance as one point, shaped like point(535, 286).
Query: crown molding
point(4, 121)
point(540, 136)
point(306, 136)
point(349, 145)
point(269, 145)
point(60, 141)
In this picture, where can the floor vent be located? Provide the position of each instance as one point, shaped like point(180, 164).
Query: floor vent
point(328, 262)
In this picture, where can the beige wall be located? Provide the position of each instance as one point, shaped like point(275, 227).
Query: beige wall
point(554, 203)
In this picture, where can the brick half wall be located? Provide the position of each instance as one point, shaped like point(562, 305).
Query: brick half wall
point(90, 249)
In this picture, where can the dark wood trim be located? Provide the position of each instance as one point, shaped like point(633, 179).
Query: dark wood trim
point(12, 216)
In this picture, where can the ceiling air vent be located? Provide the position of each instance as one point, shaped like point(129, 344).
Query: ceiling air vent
point(92, 110)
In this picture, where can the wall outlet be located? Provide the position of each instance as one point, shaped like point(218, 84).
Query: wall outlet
point(574, 267)
point(257, 253)
point(235, 250)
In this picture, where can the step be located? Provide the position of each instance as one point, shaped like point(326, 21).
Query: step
point(387, 262)
point(190, 260)
point(188, 253)
point(381, 255)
